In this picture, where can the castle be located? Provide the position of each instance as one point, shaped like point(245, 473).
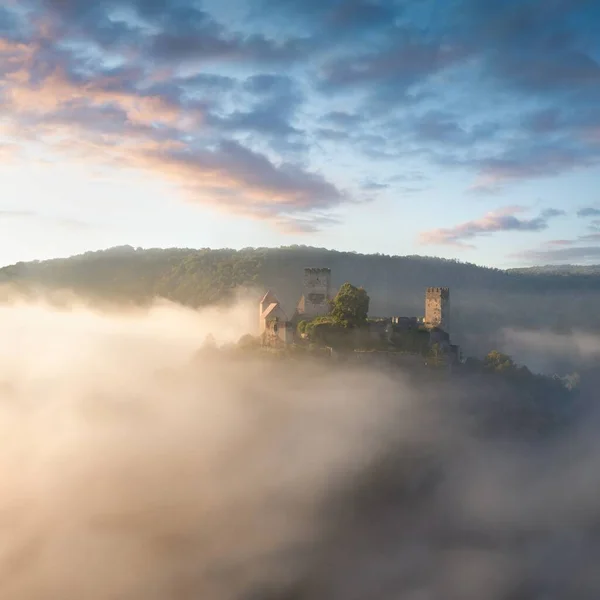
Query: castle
point(277, 328)
point(274, 323)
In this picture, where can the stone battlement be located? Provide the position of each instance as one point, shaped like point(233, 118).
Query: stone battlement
point(317, 270)
point(438, 290)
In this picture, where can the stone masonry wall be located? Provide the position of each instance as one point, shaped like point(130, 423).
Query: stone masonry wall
point(317, 289)
point(437, 307)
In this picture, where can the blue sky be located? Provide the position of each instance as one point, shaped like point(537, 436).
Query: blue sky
point(464, 128)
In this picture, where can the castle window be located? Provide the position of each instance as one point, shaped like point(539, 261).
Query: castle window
point(275, 328)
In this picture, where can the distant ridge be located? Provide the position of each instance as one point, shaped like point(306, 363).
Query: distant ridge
point(484, 300)
point(559, 270)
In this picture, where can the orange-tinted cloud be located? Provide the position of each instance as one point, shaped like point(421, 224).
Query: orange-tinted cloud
point(504, 219)
point(106, 118)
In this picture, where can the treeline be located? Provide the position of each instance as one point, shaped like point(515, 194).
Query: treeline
point(484, 300)
point(559, 270)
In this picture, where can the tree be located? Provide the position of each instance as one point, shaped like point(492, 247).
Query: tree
point(248, 342)
point(498, 361)
point(301, 328)
point(350, 307)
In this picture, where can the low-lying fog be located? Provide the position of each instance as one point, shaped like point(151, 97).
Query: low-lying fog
point(130, 471)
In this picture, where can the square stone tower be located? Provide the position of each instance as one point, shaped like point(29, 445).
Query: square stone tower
point(317, 293)
point(437, 307)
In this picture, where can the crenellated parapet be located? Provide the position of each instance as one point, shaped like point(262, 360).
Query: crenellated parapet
point(316, 292)
point(443, 292)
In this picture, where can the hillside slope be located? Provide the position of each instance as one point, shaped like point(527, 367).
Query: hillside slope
point(483, 300)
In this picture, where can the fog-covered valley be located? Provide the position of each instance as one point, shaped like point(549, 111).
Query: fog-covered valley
point(133, 467)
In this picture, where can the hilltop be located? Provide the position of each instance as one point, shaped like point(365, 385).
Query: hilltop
point(483, 299)
point(559, 270)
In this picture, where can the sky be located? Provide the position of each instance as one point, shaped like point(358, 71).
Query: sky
point(465, 129)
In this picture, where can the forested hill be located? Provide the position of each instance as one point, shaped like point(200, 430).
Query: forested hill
point(559, 270)
point(483, 299)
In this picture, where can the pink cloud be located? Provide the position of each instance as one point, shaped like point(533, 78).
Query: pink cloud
point(559, 243)
point(503, 219)
point(105, 120)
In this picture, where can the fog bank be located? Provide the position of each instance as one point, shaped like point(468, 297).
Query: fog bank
point(549, 352)
point(131, 471)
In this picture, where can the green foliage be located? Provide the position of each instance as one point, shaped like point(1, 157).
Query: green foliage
point(320, 329)
point(497, 361)
point(325, 331)
point(127, 275)
point(413, 341)
point(311, 326)
point(350, 307)
point(301, 328)
point(529, 401)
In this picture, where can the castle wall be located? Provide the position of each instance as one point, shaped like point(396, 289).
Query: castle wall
point(437, 307)
point(406, 323)
point(278, 333)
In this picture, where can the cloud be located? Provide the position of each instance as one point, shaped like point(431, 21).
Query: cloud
point(343, 119)
point(109, 118)
point(550, 213)
point(275, 102)
point(374, 186)
point(248, 181)
point(579, 254)
point(588, 212)
point(345, 17)
point(399, 65)
point(559, 243)
point(128, 116)
point(419, 61)
point(16, 214)
point(590, 237)
point(161, 472)
point(568, 250)
point(63, 222)
point(297, 81)
point(493, 222)
point(531, 162)
point(410, 176)
point(547, 351)
point(312, 224)
point(166, 32)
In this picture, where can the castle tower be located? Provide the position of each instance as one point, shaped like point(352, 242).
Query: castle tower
point(317, 287)
point(437, 307)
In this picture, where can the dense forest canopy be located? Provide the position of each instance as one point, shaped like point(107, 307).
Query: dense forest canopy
point(484, 300)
